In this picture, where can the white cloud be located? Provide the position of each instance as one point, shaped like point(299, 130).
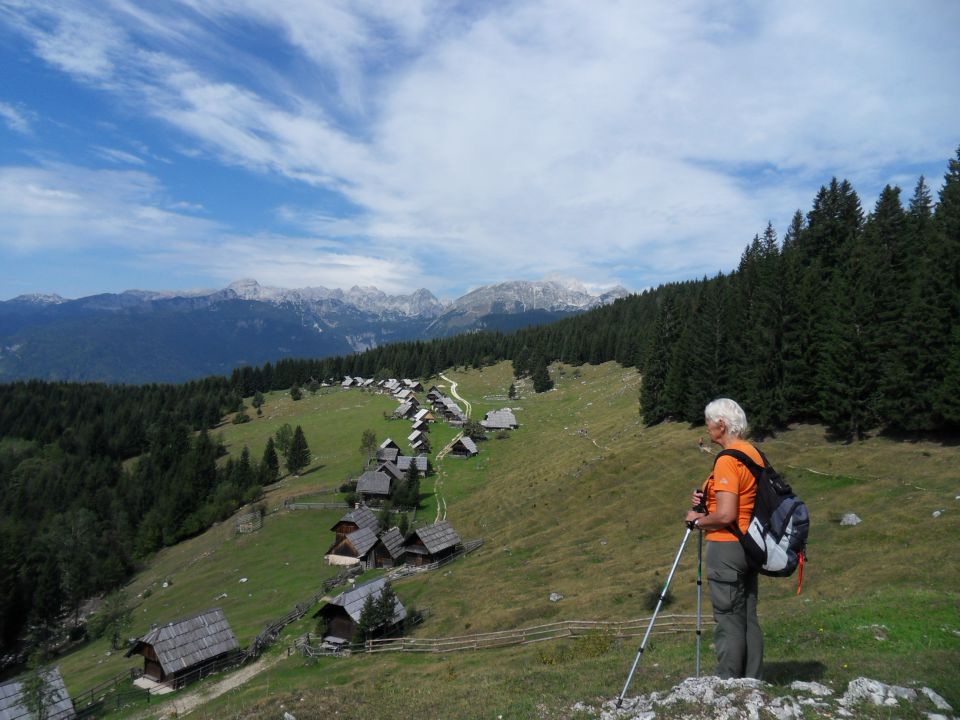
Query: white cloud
point(14, 118)
point(68, 207)
point(605, 141)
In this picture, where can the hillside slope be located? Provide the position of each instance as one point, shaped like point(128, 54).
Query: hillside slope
point(584, 501)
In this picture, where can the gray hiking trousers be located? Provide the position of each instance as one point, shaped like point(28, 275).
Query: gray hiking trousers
point(733, 592)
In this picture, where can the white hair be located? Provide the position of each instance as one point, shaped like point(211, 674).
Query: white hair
point(730, 412)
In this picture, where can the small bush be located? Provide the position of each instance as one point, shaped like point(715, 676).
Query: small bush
point(241, 418)
point(653, 597)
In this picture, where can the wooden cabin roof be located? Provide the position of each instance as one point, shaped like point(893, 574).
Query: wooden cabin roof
point(392, 540)
point(362, 516)
point(184, 643)
point(499, 420)
point(388, 444)
point(352, 600)
point(468, 443)
point(388, 454)
point(58, 707)
point(403, 463)
point(437, 537)
point(362, 540)
point(390, 469)
point(374, 482)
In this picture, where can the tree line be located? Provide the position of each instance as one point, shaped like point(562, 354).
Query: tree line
point(852, 321)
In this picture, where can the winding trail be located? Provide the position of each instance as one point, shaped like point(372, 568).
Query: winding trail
point(467, 407)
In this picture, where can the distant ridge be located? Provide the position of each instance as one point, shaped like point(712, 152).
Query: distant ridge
point(140, 336)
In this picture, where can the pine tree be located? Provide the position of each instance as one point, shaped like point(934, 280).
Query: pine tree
point(298, 456)
point(656, 365)
point(541, 377)
point(270, 464)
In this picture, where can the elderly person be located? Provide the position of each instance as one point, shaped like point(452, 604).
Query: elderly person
point(729, 493)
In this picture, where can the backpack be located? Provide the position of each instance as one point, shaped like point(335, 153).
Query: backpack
point(775, 542)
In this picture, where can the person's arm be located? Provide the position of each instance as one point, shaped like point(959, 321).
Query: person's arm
point(728, 506)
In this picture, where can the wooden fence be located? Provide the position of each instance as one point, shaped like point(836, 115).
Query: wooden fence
point(249, 522)
point(407, 570)
point(666, 624)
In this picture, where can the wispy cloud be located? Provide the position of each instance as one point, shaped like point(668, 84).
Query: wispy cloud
point(632, 142)
point(14, 118)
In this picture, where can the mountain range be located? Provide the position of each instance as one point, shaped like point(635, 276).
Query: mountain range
point(140, 336)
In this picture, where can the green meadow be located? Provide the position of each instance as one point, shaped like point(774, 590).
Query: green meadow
point(585, 501)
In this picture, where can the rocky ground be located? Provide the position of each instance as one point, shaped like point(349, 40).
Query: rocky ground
point(716, 699)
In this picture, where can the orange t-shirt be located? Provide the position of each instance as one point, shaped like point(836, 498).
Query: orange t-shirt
point(731, 475)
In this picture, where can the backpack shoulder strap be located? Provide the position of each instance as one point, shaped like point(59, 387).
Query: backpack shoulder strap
point(748, 461)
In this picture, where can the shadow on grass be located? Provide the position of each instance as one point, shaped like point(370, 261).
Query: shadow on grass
point(784, 673)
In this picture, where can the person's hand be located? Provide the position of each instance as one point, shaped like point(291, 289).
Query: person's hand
point(693, 515)
point(696, 500)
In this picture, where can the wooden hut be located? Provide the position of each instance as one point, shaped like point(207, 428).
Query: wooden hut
point(374, 485)
point(171, 651)
point(343, 612)
point(58, 705)
point(359, 517)
point(352, 548)
point(404, 461)
point(464, 447)
point(388, 551)
point(500, 420)
point(390, 469)
point(431, 543)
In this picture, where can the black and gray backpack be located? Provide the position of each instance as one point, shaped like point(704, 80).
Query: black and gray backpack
point(775, 542)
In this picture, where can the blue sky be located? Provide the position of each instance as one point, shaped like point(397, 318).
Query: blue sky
point(189, 143)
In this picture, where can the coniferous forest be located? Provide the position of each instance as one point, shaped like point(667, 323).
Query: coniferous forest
point(851, 320)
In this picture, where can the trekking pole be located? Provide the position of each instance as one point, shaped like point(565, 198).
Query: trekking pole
point(646, 635)
point(699, 508)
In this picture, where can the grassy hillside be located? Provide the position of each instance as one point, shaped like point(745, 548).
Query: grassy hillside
point(585, 501)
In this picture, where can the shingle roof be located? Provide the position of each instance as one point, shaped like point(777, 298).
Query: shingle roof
point(362, 540)
point(374, 482)
point(388, 443)
point(403, 409)
point(388, 454)
point(390, 469)
point(59, 706)
point(352, 600)
point(438, 536)
point(363, 516)
point(184, 643)
point(392, 540)
point(403, 463)
point(415, 435)
point(468, 443)
point(499, 419)
point(421, 413)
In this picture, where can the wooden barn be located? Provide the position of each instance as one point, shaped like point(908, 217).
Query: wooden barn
point(352, 548)
point(390, 469)
point(172, 650)
point(343, 612)
point(389, 550)
point(500, 420)
point(431, 543)
point(464, 448)
point(404, 462)
point(406, 410)
point(59, 706)
point(374, 485)
point(359, 517)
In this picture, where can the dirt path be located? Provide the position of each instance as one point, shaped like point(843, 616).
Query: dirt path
point(184, 704)
point(467, 407)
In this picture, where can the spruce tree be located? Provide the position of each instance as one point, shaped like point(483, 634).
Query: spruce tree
point(298, 456)
point(656, 365)
point(541, 377)
point(270, 464)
